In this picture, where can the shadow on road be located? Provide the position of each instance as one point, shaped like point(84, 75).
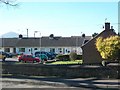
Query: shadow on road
point(83, 82)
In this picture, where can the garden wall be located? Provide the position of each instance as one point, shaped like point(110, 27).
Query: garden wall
point(69, 71)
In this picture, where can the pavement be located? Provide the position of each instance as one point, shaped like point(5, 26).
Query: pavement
point(11, 59)
point(51, 82)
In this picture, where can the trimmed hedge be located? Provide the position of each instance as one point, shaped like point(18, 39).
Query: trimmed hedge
point(61, 57)
point(79, 57)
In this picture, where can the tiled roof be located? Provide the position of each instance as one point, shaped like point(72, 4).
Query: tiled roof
point(104, 33)
point(45, 42)
point(8, 42)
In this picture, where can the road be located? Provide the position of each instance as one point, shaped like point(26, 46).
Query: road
point(42, 82)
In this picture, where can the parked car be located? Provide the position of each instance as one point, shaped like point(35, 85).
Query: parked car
point(43, 57)
point(28, 58)
point(2, 55)
point(53, 54)
point(8, 54)
point(50, 56)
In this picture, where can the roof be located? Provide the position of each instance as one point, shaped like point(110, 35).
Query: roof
point(44, 42)
point(104, 34)
point(8, 42)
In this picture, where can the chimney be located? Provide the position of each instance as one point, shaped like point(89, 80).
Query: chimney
point(107, 26)
point(20, 36)
point(111, 27)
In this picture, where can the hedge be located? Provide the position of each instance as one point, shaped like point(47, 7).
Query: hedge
point(66, 57)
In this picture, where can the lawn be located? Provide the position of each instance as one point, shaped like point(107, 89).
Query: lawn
point(67, 62)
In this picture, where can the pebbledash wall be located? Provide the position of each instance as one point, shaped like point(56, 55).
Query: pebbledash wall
point(65, 71)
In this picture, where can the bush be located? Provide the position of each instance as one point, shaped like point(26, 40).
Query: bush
point(109, 48)
point(73, 56)
point(62, 57)
point(79, 57)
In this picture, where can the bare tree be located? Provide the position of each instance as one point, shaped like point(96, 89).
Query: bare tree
point(9, 2)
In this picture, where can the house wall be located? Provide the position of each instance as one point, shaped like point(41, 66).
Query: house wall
point(1, 49)
point(90, 53)
point(58, 50)
point(12, 50)
point(63, 50)
point(7, 49)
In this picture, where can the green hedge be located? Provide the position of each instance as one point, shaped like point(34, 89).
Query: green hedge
point(66, 57)
point(79, 57)
point(62, 57)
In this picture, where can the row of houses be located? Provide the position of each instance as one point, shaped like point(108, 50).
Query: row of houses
point(64, 45)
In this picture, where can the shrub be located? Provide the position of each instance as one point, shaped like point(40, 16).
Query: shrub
point(79, 57)
point(109, 48)
point(73, 56)
point(62, 57)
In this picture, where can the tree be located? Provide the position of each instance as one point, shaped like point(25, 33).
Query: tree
point(109, 48)
point(73, 56)
point(9, 2)
point(118, 34)
point(94, 34)
point(83, 35)
point(51, 35)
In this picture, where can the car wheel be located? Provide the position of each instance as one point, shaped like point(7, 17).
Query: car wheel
point(34, 61)
point(20, 60)
point(4, 59)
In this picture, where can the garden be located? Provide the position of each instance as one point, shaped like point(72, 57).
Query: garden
point(71, 58)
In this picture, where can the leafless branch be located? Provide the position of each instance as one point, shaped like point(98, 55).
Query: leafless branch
point(9, 2)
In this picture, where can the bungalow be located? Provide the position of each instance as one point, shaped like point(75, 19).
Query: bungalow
point(63, 45)
point(90, 53)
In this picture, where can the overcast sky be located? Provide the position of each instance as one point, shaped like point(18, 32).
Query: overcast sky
point(58, 18)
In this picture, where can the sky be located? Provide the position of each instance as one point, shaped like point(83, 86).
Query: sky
point(58, 18)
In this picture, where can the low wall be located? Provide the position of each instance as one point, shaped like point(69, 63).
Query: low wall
point(69, 71)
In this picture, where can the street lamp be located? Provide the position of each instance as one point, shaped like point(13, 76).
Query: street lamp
point(40, 37)
point(35, 32)
point(77, 44)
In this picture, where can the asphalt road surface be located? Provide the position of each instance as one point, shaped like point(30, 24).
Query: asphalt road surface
point(44, 82)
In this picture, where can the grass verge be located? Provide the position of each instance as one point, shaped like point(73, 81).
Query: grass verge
point(67, 62)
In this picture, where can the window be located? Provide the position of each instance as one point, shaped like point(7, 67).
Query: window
point(59, 49)
point(35, 49)
point(7, 49)
point(21, 49)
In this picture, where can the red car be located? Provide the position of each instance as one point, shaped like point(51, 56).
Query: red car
point(28, 58)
